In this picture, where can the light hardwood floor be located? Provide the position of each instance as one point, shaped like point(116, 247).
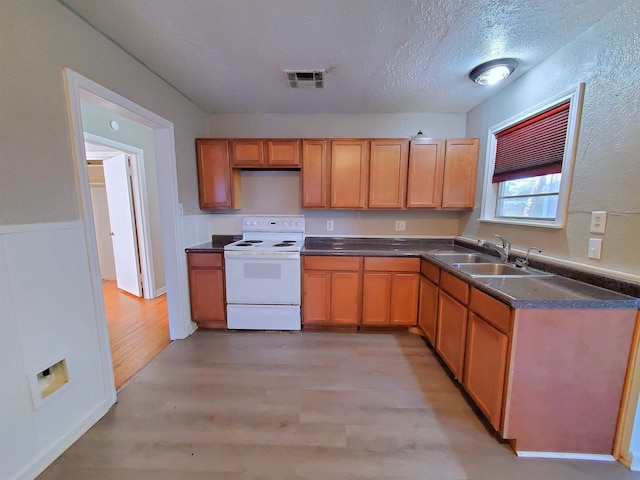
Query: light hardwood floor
point(285, 406)
point(138, 330)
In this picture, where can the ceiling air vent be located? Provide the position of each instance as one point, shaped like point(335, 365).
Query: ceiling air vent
point(305, 78)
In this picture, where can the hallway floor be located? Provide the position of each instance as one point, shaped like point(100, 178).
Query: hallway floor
point(285, 406)
point(138, 330)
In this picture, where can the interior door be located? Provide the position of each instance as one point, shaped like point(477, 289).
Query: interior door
point(122, 222)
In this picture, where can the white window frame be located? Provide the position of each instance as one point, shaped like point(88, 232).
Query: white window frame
point(490, 191)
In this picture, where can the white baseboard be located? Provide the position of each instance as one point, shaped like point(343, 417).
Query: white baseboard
point(53, 451)
point(567, 455)
point(159, 291)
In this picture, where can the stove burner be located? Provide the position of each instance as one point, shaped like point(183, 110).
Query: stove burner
point(253, 241)
point(283, 244)
point(288, 241)
point(244, 244)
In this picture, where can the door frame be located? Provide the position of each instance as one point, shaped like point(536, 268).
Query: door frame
point(140, 209)
point(180, 325)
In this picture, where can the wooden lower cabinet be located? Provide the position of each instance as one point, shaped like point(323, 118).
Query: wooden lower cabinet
point(485, 366)
point(428, 309)
point(451, 332)
point(206, 289)
point(331, 290)
point(390, 291)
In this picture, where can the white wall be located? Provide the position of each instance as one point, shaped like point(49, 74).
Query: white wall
point(278, 192)
point(607, 166)
point(46, 300)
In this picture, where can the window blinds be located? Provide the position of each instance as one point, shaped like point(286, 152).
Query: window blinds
point(533, 147)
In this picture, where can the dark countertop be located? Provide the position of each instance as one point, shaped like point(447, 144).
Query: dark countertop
point(216, 245)
point(563, 289)
point(554, 291)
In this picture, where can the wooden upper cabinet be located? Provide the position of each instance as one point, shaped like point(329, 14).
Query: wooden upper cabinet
point(460, 170)
point(248, 153)
point(218, 184)
point(349, 173)
point(315, 174)
point(269, 153)
point(388, 173)
point(426, 168)
point(283, 152)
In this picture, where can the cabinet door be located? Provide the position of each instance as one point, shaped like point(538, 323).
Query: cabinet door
point(405, 288)
point(316, 297)
point(451, 332)
point(345, 298)
point(206, 289)
point(283, 152)
point(218, 184)
point(388, 173)
point(428, 312)
point(247, 153)
point(486, 362)
point(376, 298)
point(349, 173)
point(315, 176)
point(426, 167)
point(460, 169)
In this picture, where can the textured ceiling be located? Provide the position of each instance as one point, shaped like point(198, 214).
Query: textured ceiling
point(383, 56)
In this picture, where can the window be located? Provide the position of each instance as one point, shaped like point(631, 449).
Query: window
point(530, 163)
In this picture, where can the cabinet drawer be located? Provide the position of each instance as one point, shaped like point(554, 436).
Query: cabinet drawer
point(204, 260)
point(431, 271)
point(454, 286)
point(349, 264)
point(386, 264)
point(493, 311)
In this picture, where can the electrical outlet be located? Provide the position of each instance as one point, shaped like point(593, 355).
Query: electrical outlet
point(329, 225)
point(595, 248)
point(401, 225)
point(598, 222)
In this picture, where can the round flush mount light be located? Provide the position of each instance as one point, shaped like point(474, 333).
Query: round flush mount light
point(493, 71)
point(113, 125)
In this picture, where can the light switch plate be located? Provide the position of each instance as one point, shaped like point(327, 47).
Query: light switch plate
point(595, 248)
point(329, 225)
point(598, 222)
point(401, 225)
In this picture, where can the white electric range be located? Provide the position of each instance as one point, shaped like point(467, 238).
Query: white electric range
point(262, 273)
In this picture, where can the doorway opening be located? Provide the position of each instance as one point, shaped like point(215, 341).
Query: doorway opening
point(136, 314)
point(80, 89)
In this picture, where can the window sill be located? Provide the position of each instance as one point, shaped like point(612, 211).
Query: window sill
point(524, 223)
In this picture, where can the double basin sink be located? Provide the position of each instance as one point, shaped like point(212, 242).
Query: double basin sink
point(480, 265)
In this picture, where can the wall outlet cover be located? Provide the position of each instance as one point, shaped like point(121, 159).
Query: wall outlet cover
point(598, 222)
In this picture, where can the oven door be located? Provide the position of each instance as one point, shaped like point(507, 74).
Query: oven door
point(262, 279)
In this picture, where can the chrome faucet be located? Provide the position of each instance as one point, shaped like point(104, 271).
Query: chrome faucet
point(503, 251)
point(524, 262)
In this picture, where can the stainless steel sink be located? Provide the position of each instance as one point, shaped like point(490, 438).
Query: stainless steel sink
point(497, 270)
point(464, 258)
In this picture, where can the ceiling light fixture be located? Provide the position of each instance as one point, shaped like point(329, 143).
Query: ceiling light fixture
point(493, 71)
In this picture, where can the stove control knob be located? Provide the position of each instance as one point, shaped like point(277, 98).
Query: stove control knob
point(285, 223)
point(299, 223)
